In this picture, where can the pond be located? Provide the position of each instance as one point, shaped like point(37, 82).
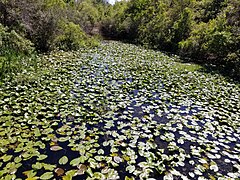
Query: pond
point(119, 112)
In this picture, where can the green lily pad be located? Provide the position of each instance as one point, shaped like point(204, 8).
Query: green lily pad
point(56, 148)
point(37, 165)
point(6, 157)
point(49, 167)
point(42, 157)
point(77, 161)
point(130, 168)
point(30, 173)
point(100, 151)
point(117, 159)
point(63, 160)
point(47, 175)
point(120, 106)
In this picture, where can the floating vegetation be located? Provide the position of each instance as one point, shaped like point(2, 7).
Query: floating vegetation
point(119, 112)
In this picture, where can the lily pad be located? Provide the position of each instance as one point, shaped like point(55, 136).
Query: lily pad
point(77, 161)
point(59, 171)
point(56, 148)
point(63, 160)
point(47, 175)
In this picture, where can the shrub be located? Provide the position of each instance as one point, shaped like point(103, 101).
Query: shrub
point(13, 42)
point(210, 41)
point(72, 37)
point(15, 52)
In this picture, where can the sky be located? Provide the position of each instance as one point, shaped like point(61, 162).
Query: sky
point(112, 1)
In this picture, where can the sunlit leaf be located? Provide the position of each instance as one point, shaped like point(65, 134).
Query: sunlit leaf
point(47, 175)
point(63, 160)
point(56, 148)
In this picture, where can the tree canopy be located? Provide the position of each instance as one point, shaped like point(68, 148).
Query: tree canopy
point(205, 30)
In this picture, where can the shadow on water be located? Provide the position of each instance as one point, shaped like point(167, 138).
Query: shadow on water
point(229, 70)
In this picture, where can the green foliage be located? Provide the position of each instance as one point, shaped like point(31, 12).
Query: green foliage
point(14, 52)
point(14, 42)
point(210, 9)
point(44, 25)
point(39, 20)
point(54, 3)
point(182, 27)
point(206, 30)
point(72, 37)
point(213, 39)
point(88, 15)
point(115, 24)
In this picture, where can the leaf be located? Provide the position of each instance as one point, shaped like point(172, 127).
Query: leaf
point(83, 159)
point(47, 175)
point(30, 174)
point(37, 132)
point(63, 160)
point(105, 143)
point(17, 159)
point(126, 158)
point(75, 162)
point(6, 158)
point(59, 171)
point(98, 158)
point(130, 168)
point(98, 175)
point(129, 178)
point(55, 124)
point(117, 159)
point(56, 148)
point(32, 178)
point(49, 167)
point(42, 157)
point(100, 151)
point(214, 167)
point(37, 165)
point(89, 171)
point(168, 176)
point(105, 170)
point(67, 177)
point(203, 161)
point(63, 139)
point(81, 169)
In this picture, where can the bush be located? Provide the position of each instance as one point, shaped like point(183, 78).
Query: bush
point(72, 37)
point(15, 52)
point(210, 41)
point(13, 42)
